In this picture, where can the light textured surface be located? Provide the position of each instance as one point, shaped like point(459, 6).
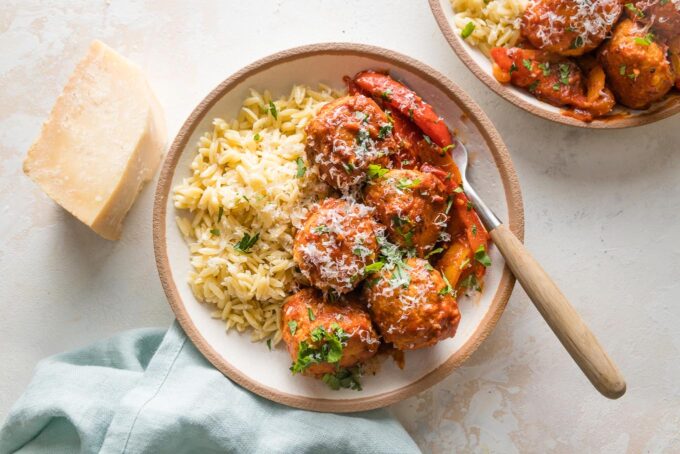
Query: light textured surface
point(601, 211)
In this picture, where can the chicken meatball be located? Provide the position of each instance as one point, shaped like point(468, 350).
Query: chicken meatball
point(569, 27)
point(411, 304)
point(336, 242)
point(663, 15)
point(323, 336)
point(636, 66)
point(345, 137)
point(412, 204)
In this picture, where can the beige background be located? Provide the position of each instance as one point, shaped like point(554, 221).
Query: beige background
point(602, 214)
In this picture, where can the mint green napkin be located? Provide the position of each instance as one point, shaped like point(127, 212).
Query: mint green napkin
point(144, 391)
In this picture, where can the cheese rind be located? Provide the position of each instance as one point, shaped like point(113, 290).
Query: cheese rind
point(102, 141)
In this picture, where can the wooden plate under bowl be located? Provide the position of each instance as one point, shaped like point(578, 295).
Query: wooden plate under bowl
point(266, 373)
point(480, 66)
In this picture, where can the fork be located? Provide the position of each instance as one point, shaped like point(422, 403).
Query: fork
point(560, 315)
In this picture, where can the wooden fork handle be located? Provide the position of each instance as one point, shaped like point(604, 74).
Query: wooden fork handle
point(562, 318)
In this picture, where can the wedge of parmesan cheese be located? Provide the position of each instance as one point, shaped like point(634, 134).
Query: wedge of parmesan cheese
point(102, 141)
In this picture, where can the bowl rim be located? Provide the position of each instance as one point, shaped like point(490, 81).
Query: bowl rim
point(501, 159)
point(507, 92)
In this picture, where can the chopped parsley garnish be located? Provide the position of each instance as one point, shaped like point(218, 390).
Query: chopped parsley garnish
point(362, 136)
point(474, 230)
point(632, 76)
point(376, 171)
point(247, 242)
point(301, 169)
point(459, 190)
point(272, 109)
point(577, 43)
point(348, 166)
point(468, 205)
point(470, 283)
point(400, 275)
point(321, 228)
point(565, 70)
point(385, 130)
point(646, 40)
point(310, 314)
point(257, 137)
point(434, 251)
point(467, 30)
point(622, 70)
point(215, 231)
point(361, 251)
point(464, 264)
point(513, 67)
point(630, 7)
point(448, 289)
point(545, 67)
point(428, 267)
point(448, 147)
point(482, 257)
point(374, 267)
point(410, 114)
point(292, 326)
point(386, 94)
point(326, 346)
point(448, 205)
point(407, 183)
point(533, 86)
point(528, 64)
point(362, 117)
point(663, 2)
point(347, 377)
point(427, 139)
point(269, 344)
point(220, 213)
point(556, 87)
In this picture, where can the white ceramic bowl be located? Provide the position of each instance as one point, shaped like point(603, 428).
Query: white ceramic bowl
point(251, 364)
point(480, 65)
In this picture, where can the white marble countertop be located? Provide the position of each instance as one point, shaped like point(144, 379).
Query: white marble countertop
point(602, 215)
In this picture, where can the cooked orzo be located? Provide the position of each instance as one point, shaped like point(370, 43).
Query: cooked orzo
point(250, 187)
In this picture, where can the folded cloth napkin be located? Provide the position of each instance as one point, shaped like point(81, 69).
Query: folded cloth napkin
point(146, 391)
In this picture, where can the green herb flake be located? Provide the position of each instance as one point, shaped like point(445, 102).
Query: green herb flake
point(565, 71)
point(556, 87)
point(513, 67)
point(464, 265)
point(247, 242)
point(257, 137)
point(577, 42)
point(448, 289)
point(386, 94)
point(646, 40)
point(269, 344)
point(385, 130)
point(474, 230)
point(468, 206)
point(470, 283)
point(301, 169)
point(434, 252)
point(407, 183)
point(448, 205)
point(292, 326)
point(427, 139)
point(459, 190)
point(533, 86)
point(273, 111)
point(630, 7)
point(321, 228)
point(215, 231)
point(220, 213)
point(622, 70)
point(467, 30)
point(528, 64)
point(374, 267)
point(545, 67)
point(376, 171)
point(482, 257)
point(448, 148)
point(310, 314)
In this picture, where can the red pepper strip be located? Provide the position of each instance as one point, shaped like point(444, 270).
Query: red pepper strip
point(407, 102)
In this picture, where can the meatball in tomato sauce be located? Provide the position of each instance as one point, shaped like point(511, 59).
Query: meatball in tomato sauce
point(323, 336)
point(411, 204)
point(637, 69)
point(412, 305)
point(345, 137)
point(569, 27)
point(336, 242)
